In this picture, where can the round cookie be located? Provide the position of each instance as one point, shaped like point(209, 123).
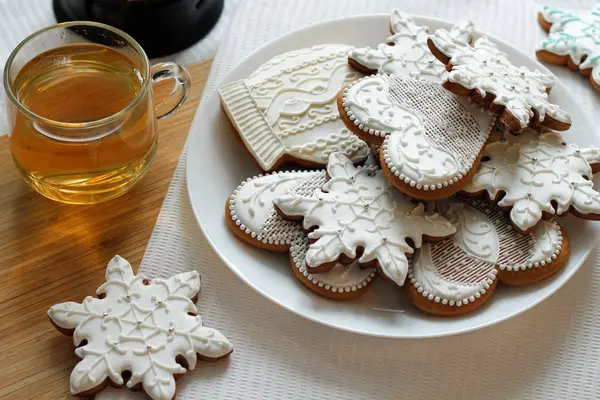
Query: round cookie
point(285, 111)
point(537, 176)
point(483, 72)
point(459, 275)
point(405, 53)
point(358, 215)
point(431, 141)
point(251, 216)
point(139, 333)
point(573, 40)
point(342, 282)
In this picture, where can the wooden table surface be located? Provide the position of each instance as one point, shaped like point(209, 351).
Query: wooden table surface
point(51, 253)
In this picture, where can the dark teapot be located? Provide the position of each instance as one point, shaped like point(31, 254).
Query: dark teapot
point(162, 27)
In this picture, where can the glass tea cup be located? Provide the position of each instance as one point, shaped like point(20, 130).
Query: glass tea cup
point(82, 112)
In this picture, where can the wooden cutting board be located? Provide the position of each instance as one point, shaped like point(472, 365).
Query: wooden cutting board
point(51, 253)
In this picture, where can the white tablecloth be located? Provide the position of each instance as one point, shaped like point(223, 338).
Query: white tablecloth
point(549, 352)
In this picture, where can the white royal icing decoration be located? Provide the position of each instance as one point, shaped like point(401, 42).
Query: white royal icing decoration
point(140, 328)
point(460, 270)
point(535, 171)
point(358, 207)
point(432, 138)
point(341, 278)
point(485, 68)
point(405, 53)
point(251, 204)
point(575, 35)
point(251, 207)
point(288, 106)
point(458, 36)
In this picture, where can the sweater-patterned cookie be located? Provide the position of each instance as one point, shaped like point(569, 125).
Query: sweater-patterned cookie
point(536, 174)
point(251, 216)
point(483, 72)
point(148, 327)
point(431, 140)
point(573, 40)
point(359, 216)
point(405, 53)
point(285, 111)
point(460, 274)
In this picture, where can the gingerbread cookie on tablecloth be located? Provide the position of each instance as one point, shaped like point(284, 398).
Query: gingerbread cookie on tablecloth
point(252, 218)
point(483, 72)
point(573, 40)
point(358, 215)
point(538, 175)
point(147, 330)
point(405, 53)
point(431, 141)
point(460, 274)
point(285, 111)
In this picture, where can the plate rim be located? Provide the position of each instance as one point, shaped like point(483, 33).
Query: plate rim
point(423, 20)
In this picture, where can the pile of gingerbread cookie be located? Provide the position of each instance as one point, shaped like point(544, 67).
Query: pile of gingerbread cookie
point(433, 163)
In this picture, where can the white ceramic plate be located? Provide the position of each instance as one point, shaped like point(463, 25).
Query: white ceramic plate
point(217, 163)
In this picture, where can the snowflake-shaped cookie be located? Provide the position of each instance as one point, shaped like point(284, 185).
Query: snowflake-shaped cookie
point(405, 53)
point(359, 214)
point(147, 327)
point(574, 40)
point(517, 94)
point(538, 173)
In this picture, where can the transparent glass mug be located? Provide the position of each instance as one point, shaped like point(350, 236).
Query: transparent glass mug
point(82, 112)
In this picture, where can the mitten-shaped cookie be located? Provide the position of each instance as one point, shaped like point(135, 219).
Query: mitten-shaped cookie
point(285, 111)
point(431, 141)
point(460, 274)
point(251, 216)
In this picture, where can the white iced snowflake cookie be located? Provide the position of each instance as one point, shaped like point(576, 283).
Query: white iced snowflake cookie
point(359, 215)
point(148, 327)
point(405, 53)
point(431, 139)
point(573, 40)
point(482, 71)
point(458, 275)
point(538, 173)
point(285, 111)
point(252, 217)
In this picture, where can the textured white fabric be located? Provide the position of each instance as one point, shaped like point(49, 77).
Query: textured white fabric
point(550, 352)
point(20, 18)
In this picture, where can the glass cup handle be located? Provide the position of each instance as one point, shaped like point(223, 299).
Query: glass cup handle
point(182, 82)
